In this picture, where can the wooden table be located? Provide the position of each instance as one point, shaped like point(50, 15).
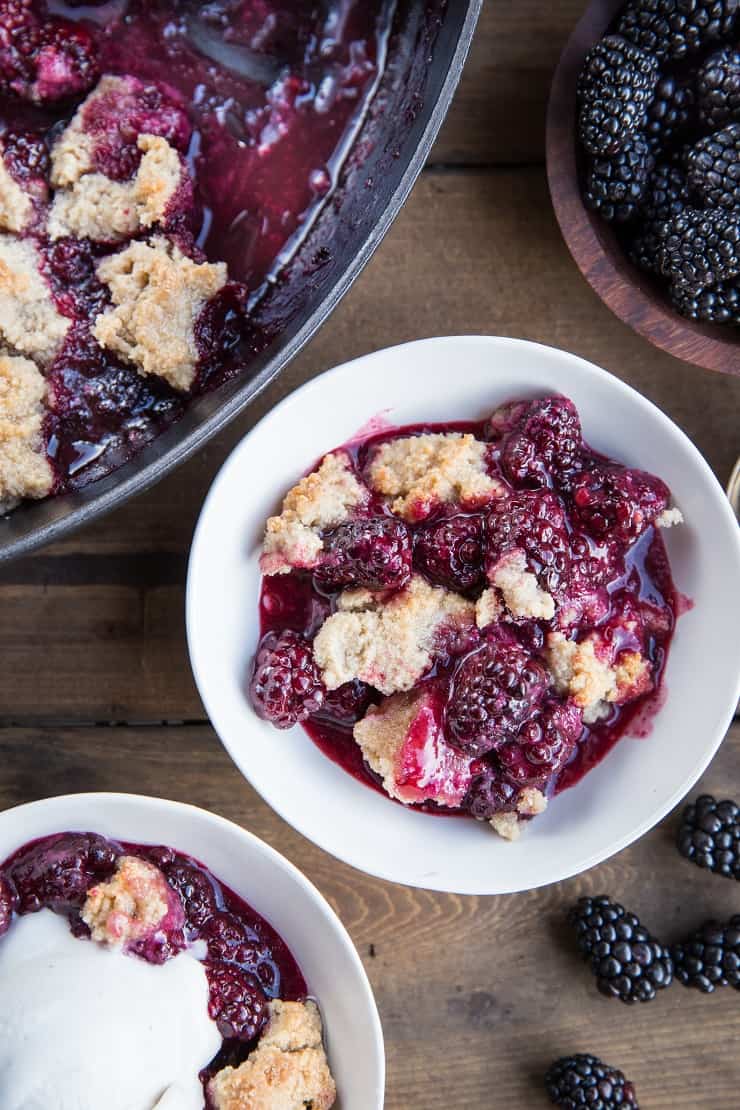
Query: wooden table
point(476, 995)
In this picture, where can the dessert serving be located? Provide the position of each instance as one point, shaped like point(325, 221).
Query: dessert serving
point(467, 616)
point(131, 978)
point(159, 163)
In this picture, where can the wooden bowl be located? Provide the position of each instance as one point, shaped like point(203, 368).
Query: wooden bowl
point(627, 291)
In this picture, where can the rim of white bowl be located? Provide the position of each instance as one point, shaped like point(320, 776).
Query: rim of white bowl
point(294, 400)
point(275, 858)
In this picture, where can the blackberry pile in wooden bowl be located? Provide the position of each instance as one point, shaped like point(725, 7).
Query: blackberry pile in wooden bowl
point(643, 150)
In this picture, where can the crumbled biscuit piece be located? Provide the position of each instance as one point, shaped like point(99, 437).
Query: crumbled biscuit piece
point(108, 211)
point(73, 153)
point(520, 589)
point(25, 470)
point(488, 608)
point(29, 321)
point(390, 645)
point(130, 906)
point(577, 671)
point(530, 803)
point(633, 673)
point(158, 294)
point(16, 206)
point(423, 471)
point(320, 500)
point(669, 517)
point(287, 1071)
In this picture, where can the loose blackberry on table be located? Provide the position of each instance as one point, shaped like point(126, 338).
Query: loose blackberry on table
point(710, 958)
point(629, 963)
point(584, 1080)
point(709, 835)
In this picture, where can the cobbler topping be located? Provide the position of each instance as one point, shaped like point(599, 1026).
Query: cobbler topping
point(130, 906)
point(161, 168)
point(388, 642)
point(159, 294)
point(535, 622)
point(97, 208)
point(319, 501)
point(30, 322)
point(24, 467)
point(152, 906)
point(423, 472)
point(403, 742)
point(287, 1071)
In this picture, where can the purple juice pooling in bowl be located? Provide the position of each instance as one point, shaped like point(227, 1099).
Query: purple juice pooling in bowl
point(144, 945)
point(468, 616)
point(160, 163)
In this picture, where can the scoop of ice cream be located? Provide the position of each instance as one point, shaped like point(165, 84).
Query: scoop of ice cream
point(83, 1025)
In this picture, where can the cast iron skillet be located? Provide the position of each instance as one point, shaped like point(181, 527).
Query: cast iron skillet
point(427, 50)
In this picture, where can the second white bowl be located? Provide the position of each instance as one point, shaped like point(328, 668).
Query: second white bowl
point(441, 380)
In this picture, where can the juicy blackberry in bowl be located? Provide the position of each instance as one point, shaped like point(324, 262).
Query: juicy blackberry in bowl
point(627, 961)
point(718, 88)
point(584, 1080)
point(713, 167)
point(615, 89)
point(666, 196)
point(670, 112)
point(616, 186)
point(673, 29)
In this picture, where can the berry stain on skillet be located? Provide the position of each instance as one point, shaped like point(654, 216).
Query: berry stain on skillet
point(160, 163)
point(468, 616)
point(133, 903)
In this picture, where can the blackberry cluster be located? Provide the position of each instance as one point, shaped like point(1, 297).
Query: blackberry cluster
point(627, 961)
point(710, 958)
point(673, 29)
point(615, 88)
point(709, 835)
point(718, 88)
point(659, 122)
point(582, 1080)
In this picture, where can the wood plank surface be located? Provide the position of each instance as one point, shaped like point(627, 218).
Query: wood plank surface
point(476, 995)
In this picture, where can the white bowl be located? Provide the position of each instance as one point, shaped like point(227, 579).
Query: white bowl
point(271, 885)
point(460, 378)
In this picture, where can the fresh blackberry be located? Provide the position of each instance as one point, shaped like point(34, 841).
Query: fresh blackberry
point(710, 836)
point(720, 305)
point(710, 958)
point(286, 686)
point(616, 186)
point(718, 88)
point(670, 113)
point(675, 28)
point(615, 88)
point(700, 249)
point(582, 1080)
point(666, 196)
point(627, 961)
point(713, 167)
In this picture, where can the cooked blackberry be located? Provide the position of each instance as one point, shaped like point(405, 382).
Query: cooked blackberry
point(720, 305)
point(710, 835)
point(615, 88)
point(713, 167)
point(710, 958)
point(670, 113)
point(627, 961)
point(615, 186)
point(700, 249)
point(583, 1080)
point(675, 28)
point(665, 196)
point(718, 88)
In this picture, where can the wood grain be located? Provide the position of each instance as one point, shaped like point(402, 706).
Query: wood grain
point(476, 995)
point(631, 294)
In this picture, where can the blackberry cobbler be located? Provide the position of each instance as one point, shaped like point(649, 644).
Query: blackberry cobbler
point(470, 615)
point(160, 161)
point(133, 979)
